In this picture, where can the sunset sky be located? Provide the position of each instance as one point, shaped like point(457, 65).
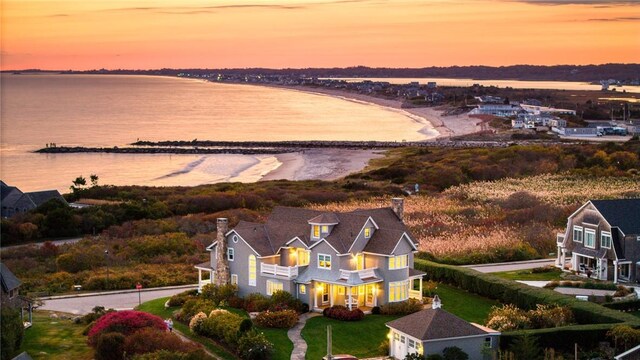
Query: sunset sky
point(90, 34)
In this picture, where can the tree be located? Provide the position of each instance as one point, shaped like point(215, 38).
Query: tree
point(94, 180)
point(526, 347)
point(454, 353)
point(11, 332)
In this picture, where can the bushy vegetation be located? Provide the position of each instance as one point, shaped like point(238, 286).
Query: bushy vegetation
point(277, 319)
point(11, 332)
point(124, 322)
point(406, 307)
point(510, 317)
point(340, 312)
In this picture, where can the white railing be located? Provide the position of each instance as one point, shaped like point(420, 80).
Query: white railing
point(363, 274)
point(272, 269)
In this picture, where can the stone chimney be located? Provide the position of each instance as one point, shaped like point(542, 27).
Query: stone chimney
point(436, 303)
point(397, 204)
point(223, 275)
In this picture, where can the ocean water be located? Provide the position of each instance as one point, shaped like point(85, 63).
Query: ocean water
point(113, 110)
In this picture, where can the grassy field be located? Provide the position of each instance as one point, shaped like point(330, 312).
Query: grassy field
point(51, 338)
point(282, 344)
point(358, 338)
point(530, 276)
point(471, 307)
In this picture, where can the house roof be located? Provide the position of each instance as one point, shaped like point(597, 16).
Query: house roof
point(433, 324)
point(286, 223)
point(23, 356)
point(41, 197)
point(621, 213)
point(8, 280)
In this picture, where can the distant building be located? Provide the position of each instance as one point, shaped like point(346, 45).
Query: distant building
point(15, 201)
point(432, 85)
point(502, 110)
point(10, 293)
point(488, 99)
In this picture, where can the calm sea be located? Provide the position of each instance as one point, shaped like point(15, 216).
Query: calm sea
point(108, 110)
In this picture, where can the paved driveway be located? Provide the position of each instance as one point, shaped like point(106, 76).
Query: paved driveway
point(120, 301)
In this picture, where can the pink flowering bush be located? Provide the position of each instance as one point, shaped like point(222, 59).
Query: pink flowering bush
point(124, 322)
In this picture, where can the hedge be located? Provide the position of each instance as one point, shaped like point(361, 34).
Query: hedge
point(523, 296)
point(562, 338)
point(629, 305)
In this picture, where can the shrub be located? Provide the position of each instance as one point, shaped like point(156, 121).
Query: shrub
point(124, 322)
point(11, 332)
point(305, 308)
point(383, 348)
point(194, 306)
point(509, 317)
point(94, 315)
point(277, 319)
point(254, 346)
point(110, 346)
point(256, 302)
point(218, 294)
point(375, 310)
point(434, 357)
point(246, 325)
point(401, 308)
point(624, 337)
point(340, 312)
point(223, 326)
point(454, 353)
point(180, 299)
point(151, 340)
point(195, 324)
point(198, 354)
point(548, 316)
point(282, 300)
point(236, 302)
point(414, 356)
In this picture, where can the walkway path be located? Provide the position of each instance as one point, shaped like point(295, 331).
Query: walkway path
point(294, 334)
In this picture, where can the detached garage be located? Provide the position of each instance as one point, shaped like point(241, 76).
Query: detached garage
point(430, 331)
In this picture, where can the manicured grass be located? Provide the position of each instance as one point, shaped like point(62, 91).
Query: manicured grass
point(282, 345)
point(51, 338)
point(530, 276)
point(358, 338)
point(471, 307)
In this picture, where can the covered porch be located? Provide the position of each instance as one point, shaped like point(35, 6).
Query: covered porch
point(206, 275)
point(362, 296)
point(591, 263)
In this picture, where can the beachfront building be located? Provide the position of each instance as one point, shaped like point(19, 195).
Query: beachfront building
point(502, 110)
point(15, 201)
point(359, 259)
point(430, 331)
point(602, 241)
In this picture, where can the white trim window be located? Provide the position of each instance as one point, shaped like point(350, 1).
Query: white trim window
point(398, 291)
point(273, 286)
point(577, 234)
point(302, 289)
point(367, 232)
point(398, 262)
point(590, 238)
point(252, 270)
point(324, 261)
point(230, 254)
point(316, 231)
point(303, 257)
point(324, 229)
point(234, 279)
point(605, 239)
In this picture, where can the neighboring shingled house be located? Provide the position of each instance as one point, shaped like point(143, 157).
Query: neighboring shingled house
point(10, 288)
point(602, 239)
point(362, 258)
point(13, 201)
point(430, 331)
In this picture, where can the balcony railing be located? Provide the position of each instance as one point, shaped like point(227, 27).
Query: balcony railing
point(415, 294)
point(289, 272)
point(363, 274)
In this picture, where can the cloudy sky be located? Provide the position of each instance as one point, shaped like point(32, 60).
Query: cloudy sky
point(146, 34)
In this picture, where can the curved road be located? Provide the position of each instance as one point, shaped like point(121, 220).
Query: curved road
point(120, 300)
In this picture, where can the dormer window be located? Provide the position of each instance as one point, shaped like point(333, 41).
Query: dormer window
point(316, 231)
point(367, 232)
point(324, 229)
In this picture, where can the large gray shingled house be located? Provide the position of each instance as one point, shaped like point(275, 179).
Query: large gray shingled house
point(362, 258)
point(602, 241)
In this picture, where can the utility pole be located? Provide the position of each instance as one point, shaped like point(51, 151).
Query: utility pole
point(106, 256)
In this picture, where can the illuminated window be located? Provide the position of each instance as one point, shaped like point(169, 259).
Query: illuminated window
point(303, 257)
point(398, 262)
point(325, 229)
point(273, 286)
point(316, 231)
point(367, 232)
point(340, 290)
point(324, 261)
point(230, 254)
point(252, 270)
point(398, 291)
point(590, 238)
point(605, 239)
point(302, 289)
point(234, 279)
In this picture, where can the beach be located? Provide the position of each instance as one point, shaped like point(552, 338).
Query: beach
point(331, 164)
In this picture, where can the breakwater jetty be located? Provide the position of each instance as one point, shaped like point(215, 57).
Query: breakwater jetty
point(271, 147)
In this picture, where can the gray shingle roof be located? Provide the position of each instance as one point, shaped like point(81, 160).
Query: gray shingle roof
point(41, 197)
point(8, 280)
point(23, 356)
point(621, 213)
point(285, 224)
point(325, 218)
point(433, 324)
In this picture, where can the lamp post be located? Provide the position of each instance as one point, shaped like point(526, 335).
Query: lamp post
point(106, 256)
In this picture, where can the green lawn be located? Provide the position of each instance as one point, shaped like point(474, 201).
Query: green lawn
point(282, 345)
point(528, 275)
point(50, 338)
point(358, 338)
point(471, 307)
